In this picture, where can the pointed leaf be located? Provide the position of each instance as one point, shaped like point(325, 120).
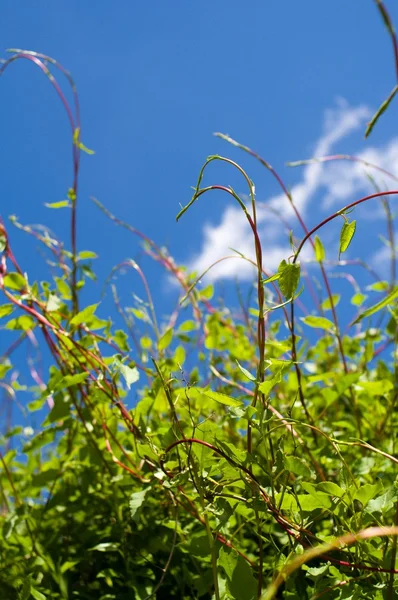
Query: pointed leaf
point(24, 322)
point(245, 372)
point(346, 235)
point(165, 340)
point(6, 310)
point(136, 501)
point(318, 322)
point(218, 397)
point(389, 299)
point(14, 281)
point(289, 277)
point(60, 204)
point(319, 250)
point(84, 315)
point(327, 304)
point(130, 374)
point(3, 242)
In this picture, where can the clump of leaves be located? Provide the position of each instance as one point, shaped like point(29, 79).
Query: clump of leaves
point(259, 458)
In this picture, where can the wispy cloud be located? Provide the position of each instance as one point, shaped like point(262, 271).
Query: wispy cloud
point(321, 187)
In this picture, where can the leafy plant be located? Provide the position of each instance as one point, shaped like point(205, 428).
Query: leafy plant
point(260, 457)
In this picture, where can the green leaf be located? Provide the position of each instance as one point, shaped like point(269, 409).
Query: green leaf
point(346, 235)
point(366, 492)
point(382, 108)
point(37, 595)
point(3, 370)
point(136, 502)
point(6, 310)
point(199, 545)
point(227, 559)
point(85, 254)
point(41, 439)
point(70, 380)
point(24, 322)
point(63, 288)
point(327, 304)
point(84, 315)
point(242, 585)
point(14, 281)
point(376, 388)
point(287, 502)
point(379, 286)
point(121, 338)
point(330, 488)
point(218, 397)
point(289, 277)
point(106, 547)
point(207, 292)
point(60, 204)
point(318, 322)
point(272, 278)
point(24, 592)
point(60, 410)
point(231, 450)
point(245, 372)
point(389, 299)
point(308, 503)
point(358, 299)
point(385, 502)
point(3, 242)
point(296, 465)
point(9, 526)
point(188, 326)
point(266, 386)
point(53, 303)
point(45, 477)
point(165, 339)
point(96, 323)
point(130, 374)
point(79, 144)
point(319, 250)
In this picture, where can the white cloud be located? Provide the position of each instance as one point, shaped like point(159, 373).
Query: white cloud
point(381, 262)
point(344, 180)
point(337, 182)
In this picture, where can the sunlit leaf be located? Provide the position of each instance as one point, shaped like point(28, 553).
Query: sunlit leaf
point(387, 301)
point(24, 322)
point(346, 235)
point(327, 304)
point(245, 372)
point(6, 309)
point(53, 303)
point(60, 204)
point(3, 242)
point(79, 144)
point(382, 108)
point(218, 397)
point(136, 501)
point(14, 281)
point(165, 340)
point(289, 277)
point(358, 299)
point(85, 254)
point(70, 380)
point(319, 250)
point(4, 370)
point(318, 322)
point(84, 315)
point(130, 374)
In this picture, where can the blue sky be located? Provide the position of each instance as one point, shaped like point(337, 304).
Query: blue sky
point(155, 80)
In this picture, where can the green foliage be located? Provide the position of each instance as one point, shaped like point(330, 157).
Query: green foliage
point(227, 455)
